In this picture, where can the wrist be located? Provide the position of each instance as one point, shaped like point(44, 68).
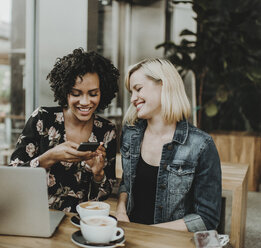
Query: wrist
point(121, 208)
point(100, 177)
point(121, 212)
point(47, 159)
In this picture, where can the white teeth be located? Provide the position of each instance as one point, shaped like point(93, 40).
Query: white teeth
point(85, 109)
point(139, 105)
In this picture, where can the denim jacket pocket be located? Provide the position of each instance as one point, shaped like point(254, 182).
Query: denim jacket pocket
point(125, 150)
point(181, 174)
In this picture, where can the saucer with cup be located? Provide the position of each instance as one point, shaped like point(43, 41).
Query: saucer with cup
point(90, 208)
point(99, 231)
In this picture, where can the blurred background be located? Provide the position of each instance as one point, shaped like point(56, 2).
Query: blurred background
point(216, 47)
point(33, 33)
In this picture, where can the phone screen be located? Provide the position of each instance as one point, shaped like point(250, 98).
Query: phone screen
point(88, 146)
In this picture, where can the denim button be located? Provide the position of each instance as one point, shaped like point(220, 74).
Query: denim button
point(160, 207)
point(170, 147)
point(165, 166)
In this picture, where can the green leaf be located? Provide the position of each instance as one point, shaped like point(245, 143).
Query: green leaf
point(211, 110)
point(222, 94)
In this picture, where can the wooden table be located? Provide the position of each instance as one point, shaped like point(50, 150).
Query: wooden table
point(234, 178)
point(136, 235)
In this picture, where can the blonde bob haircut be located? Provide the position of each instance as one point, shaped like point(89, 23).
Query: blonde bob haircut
point(174, 101)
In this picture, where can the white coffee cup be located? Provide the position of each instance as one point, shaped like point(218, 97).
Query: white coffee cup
point(100, 229)
point(91, 208)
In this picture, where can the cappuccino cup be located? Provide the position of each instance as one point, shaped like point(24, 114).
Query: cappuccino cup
point(91, 208)
point(100, 229)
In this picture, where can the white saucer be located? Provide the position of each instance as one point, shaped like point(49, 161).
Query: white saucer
point(78, 239)
point(75, 220)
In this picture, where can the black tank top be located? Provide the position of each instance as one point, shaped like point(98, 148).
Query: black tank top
point(144, 193)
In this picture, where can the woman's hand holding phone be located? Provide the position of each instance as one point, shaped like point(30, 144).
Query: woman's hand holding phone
point(64, 152)
point(92, 153)
point(87, 150)
point(97, 162)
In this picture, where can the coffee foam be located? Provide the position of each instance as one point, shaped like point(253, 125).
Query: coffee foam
point(98, 222)
point(93, 206)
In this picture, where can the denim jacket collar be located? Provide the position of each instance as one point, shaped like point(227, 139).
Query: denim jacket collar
point(139, 127)
point(180, 135)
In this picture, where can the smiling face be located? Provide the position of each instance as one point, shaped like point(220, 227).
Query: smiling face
point(84, 97)
point(145, 95)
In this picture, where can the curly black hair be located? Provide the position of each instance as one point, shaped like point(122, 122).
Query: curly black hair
point(66, 69)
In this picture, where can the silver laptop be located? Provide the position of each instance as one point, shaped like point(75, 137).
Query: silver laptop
point(24, 203)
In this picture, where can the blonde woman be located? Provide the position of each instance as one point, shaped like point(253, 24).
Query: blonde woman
point(171, 169)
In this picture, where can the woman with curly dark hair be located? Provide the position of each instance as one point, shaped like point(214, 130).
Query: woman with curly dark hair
point(82, 82)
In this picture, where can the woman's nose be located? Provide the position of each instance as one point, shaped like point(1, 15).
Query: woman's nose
point(84, 100)
point(133, 97)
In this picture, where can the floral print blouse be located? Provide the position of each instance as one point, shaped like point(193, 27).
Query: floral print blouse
point(68, 183)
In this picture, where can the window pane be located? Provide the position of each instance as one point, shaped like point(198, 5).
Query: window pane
point(12, 57)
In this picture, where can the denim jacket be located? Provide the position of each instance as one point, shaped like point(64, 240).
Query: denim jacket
point(189, 176)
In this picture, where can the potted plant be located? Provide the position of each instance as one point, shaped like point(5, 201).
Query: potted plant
point(225, 56)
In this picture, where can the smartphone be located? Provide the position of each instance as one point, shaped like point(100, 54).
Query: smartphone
point(88, 146)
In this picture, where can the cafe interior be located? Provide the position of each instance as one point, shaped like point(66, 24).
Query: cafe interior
point(33, 33)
